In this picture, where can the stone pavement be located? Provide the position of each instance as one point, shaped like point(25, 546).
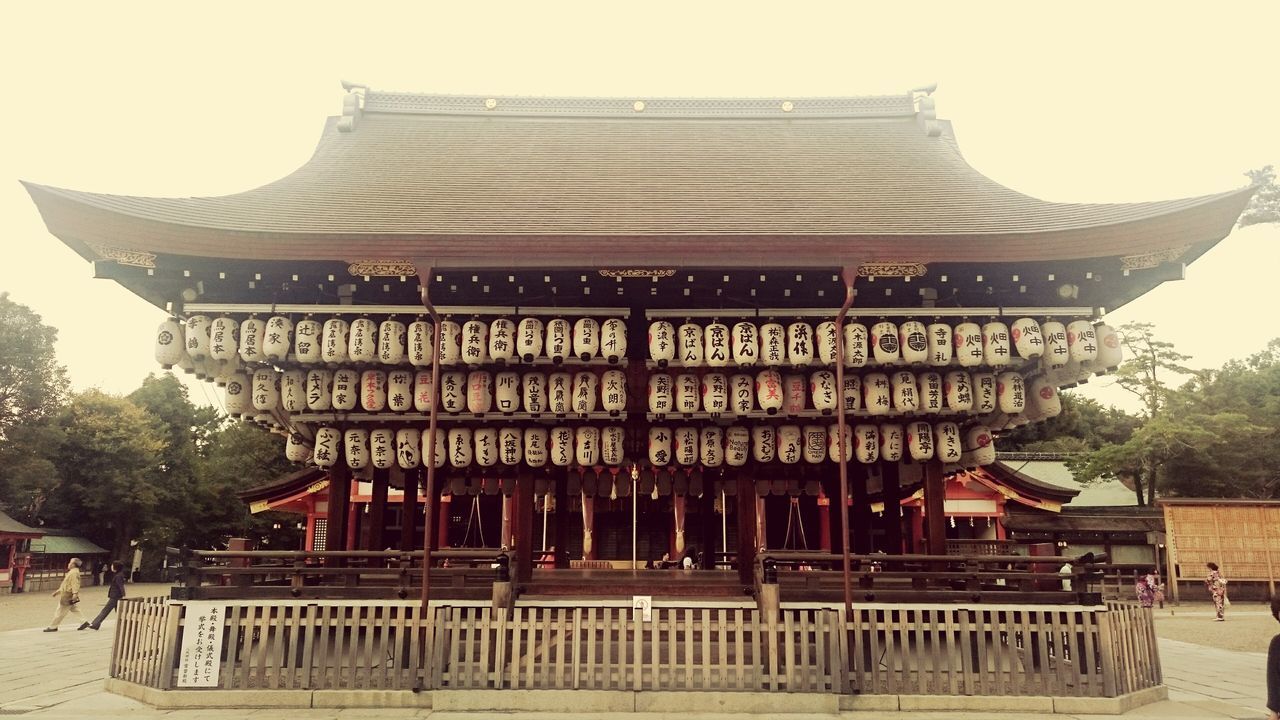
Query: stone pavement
point(55, 676)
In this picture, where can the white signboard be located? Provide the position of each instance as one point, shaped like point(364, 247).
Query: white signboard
point(643, 603)
point(201, 644)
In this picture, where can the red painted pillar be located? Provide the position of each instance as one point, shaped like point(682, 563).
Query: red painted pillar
point(824, 522)
point(442, 520)
point(352, 516)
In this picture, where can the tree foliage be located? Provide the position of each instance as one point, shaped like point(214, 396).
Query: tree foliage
point(1264, 207)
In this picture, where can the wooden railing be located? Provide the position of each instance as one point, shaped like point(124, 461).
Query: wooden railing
point(907, 649)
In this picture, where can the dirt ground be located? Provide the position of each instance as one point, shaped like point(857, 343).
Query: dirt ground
point(35, 609)
point(1249, 627)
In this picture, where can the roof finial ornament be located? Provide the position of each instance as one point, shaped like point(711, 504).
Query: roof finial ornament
point(352, 104)
point(926, 113)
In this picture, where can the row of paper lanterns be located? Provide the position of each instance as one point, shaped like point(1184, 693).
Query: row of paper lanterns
point(584, 392)
point(225, 343)
point(586, 446)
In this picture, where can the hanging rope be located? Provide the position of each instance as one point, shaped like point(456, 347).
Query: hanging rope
point(477, 520)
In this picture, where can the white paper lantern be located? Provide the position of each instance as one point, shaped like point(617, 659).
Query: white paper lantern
point(794, 389)
point(225, 369)
point(362, 345)
point(906, 393)
point(319, 390)
point(561, 446)
point(328, 447)
point(822, 391)
point(479, 392)
point(661, 394)
point(586, 447)
point(959, 390)
point(333, 341)
point(506, 391)
point(453, 391)
point(711, 446)
point(356, 446)
point(1027, 338)
point(946, 440)
point(535, 446)
point(529, 338)
point(932, 394)
point(920, 441)
point(509, 444)
point(586, 338)
point(913, 341)
point(968, 344)
point(1056, 351)
point(737, 441)
point(266, 389)
point(773, 344)
point(687, 393)
point(891, 441)
point(746, 344)
point(1110, 351)
point(613, 445)
point(764, 440)
point(238, 393)
point(815, 443)
point(534, 391)
point(373, 390)
point(856, 352)
point(1011, 393)
point(715, 393)
point(689, 339)
point(224, 339)
point(560, 393)
point(1045, 398)
point(790, 444)
point(685, 445)
point(585, 392)
point(799, 344)
point(716, 345)
point(421, 336)
point(408, 448)
point(559, 337)
point(297, 449)
point(876, 394)
point(441, 449)
point(485, 442)
point(613, 339)
point(424, 395)
point(833, 447)
point(985, 393)
point(659, 446)
point(399, 390)
point(502, 343)
point(475, 342)
point(450, 339)
point(308, 341)
point(196, 335)
point(979, 443)
point(884, 343)
point(391, 339)
point(866, 445)
point(346, 389)
point(662, 343)
point(170, 344)
point(278, 339)
point(1082, 341)
point(852, 393)
point(824, 337)
point(940, 344)
point(995, 344)
point(742, 394)
point(293, 391)
point(460, 448)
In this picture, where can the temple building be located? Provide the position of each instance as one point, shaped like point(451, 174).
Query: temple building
point(746, 337)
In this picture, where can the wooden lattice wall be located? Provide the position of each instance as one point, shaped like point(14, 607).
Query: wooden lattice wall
point(1242, 538)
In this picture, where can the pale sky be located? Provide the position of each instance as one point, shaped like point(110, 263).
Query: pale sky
point(1106, 102)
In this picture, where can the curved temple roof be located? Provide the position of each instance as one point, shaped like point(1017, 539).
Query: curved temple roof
point(468, 180)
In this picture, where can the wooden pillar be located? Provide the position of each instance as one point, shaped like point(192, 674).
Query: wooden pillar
point(409, 510)
point(353, 526)
point(508, 518)
point(860, 510)
point(562, 519)
point(524, 528)
point(746, 501)
point(762, 519)
point(709, 525)
point(375, 523)
point(935, 512)
point(339, 506)
point(442, 527)
point(824, 522)
point(892, 494)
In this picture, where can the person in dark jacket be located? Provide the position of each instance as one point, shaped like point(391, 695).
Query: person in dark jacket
point(114, 595)
point(1273, 666)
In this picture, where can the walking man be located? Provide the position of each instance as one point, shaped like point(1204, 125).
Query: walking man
point(68, 594)
point(114, 595)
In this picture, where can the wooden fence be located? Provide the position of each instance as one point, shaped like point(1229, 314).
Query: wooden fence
point(1084, 651)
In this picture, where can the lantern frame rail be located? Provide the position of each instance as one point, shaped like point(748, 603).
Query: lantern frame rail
point(1072, 311)
point(415, 310)
point(463, 417)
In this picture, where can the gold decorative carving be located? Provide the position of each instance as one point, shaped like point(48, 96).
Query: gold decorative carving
point(136, 258)
point(1152, 259)
point(892, 269)
point(382, 268)
point(638, 273)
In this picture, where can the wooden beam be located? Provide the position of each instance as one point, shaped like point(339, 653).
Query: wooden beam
point(409, 510)
point(562, 515)
point(861, 509)
point(339, 502)
point(892, 494)
point(523, 498)
point(376, 522)
point(746, 501)
point(935, 512)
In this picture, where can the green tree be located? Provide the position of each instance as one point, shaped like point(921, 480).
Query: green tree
point(239, 456)
point(1083, 425)
point(1264, 206)
point(108, 462)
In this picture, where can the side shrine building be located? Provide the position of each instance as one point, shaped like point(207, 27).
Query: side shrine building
point(679, 355)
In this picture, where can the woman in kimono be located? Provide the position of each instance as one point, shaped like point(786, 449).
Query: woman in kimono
point(1217, 586)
